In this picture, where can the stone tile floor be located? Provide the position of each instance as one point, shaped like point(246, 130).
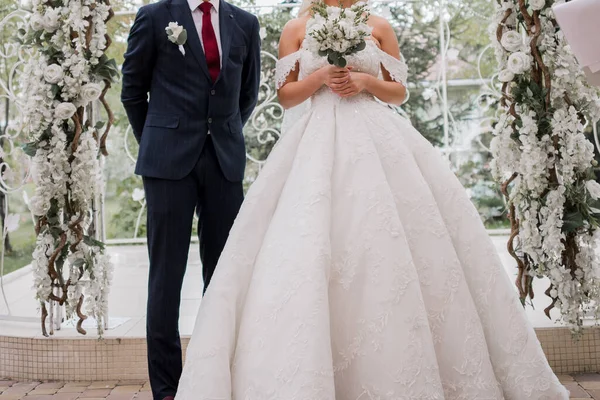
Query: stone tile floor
point(122, 390)
point(585, 386)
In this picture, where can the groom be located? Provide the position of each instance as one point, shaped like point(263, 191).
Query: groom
point(202, 90)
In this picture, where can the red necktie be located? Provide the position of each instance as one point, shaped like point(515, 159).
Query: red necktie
point(209, 39)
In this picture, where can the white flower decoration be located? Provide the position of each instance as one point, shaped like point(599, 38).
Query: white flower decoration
point(593, 189)
point(53, 73)
point(65, 111)
point(51, 20)
point(90, 92)
point(537, 4)
point(506, 76)
point(512, 41)
point(36, 22)
point(177, 35)
point(519, 63)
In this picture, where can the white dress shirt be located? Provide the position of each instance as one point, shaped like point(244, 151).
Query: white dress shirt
point(214, 17)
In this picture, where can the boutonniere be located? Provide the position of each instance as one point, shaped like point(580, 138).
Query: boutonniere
point(177, 34)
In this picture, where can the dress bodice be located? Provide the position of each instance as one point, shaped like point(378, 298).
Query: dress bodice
point(370, 60)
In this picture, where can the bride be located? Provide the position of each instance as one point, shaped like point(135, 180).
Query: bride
point(357, 268)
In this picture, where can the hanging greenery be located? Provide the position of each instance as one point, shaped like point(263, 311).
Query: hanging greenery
point(544, 161)
point(67, 73)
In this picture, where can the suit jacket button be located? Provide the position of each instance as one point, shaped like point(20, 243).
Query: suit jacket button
point(210, 120)
point(212, 92)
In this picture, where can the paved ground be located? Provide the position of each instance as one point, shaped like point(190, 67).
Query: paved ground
point(581, 387)
point(10, 390)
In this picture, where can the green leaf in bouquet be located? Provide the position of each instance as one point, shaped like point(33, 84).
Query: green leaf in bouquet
point(182, 38)
point(323, 53)
point(332, 58)
point(341, 62)
point(361, 46)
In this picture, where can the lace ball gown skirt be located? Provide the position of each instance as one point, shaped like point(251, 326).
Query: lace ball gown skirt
point(359, 269)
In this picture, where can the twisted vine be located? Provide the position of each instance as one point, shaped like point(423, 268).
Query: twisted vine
point(64, 222)
point(533, 89)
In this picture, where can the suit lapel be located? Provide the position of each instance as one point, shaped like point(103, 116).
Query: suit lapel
point(181, 13)
point(226, 21)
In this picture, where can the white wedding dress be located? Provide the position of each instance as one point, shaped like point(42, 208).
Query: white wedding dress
point(358, 269)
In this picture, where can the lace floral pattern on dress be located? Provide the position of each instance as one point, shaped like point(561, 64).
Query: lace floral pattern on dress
point(358, 269)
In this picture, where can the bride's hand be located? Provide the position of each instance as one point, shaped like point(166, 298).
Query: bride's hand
point(357, 83)
point(335, 77)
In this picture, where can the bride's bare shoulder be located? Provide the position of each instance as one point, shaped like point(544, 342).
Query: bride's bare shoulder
point(380, 25)
point(383, 32)
point(292, 35)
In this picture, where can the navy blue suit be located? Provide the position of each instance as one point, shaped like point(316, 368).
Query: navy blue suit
point(186, 169)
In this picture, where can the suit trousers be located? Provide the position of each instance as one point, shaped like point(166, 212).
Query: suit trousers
point(171, 205)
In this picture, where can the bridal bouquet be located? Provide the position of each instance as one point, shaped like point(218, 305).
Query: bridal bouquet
point(336, 32)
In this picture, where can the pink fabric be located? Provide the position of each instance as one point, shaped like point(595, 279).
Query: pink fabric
point(578, 20)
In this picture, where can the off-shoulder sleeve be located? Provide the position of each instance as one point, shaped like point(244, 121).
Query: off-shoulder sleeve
point(284, 67)
point(397, 69)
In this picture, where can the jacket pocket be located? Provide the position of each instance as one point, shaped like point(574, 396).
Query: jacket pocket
point(162, 121)
point(235, 126)
point(237, 54)
point(238, 49)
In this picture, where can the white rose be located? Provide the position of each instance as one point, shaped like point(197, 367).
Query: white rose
point(262, 33)
point(175, 30)
point(537, 4)
point(512, 41)
point(36, 22)
point(519, 63)
point(506, 76)
point(593, 188)
point(65, 111)
point(52, 19)
point(90, 92)
point(53, 73)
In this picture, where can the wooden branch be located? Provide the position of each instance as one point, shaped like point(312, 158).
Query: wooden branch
point(500, 29)
point(76, 227)
point(78, 131)
point(82, 317)
point(528, 18)
point(514, 227)
point(110, 120)
point(44, 316)
point(554, 300)
point(51, 270)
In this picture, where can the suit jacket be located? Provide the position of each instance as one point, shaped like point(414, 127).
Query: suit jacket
point(171, 125)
